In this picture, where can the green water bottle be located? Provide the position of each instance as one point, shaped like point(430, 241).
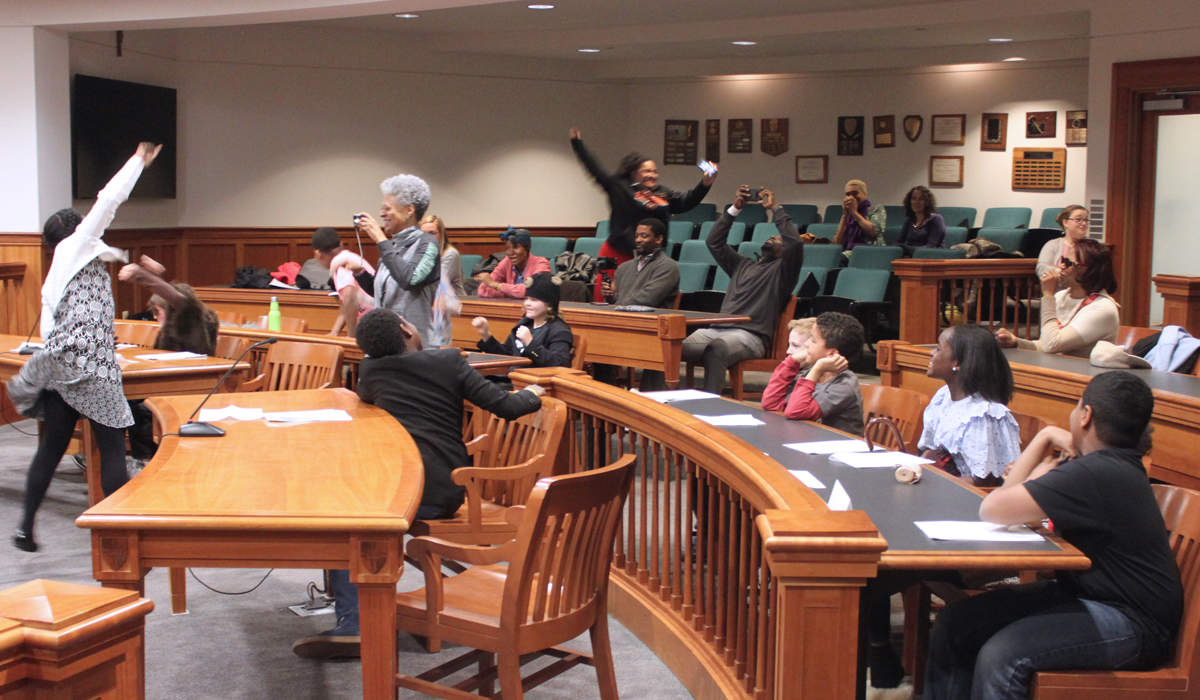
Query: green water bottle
point(274, 318)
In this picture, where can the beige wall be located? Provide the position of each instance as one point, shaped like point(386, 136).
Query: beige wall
point(813, 105)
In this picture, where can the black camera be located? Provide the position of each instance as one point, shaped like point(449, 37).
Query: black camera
point(605, 264)
point(755, 194)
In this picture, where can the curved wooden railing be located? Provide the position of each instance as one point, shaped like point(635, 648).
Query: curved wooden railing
point(935, 294)
point(725, 563)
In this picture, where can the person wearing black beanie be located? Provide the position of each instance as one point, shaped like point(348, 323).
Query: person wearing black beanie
point(541, 335)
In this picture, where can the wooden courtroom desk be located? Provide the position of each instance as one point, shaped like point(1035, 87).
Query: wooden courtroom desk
point(227, 502)
point(1050, 386)
point(893, 507)
point(141, 380)
point(651, 340)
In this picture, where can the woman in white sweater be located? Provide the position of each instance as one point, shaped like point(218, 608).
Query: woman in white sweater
point(448, 302)
point(1074, 222)
point(1077, 311)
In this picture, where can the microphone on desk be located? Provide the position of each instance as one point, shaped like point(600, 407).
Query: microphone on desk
point(201, 429)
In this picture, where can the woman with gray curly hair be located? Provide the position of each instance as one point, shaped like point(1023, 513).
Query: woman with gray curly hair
point(407, 278)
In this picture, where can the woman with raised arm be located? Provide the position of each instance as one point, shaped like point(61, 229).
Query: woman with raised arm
point(634, 194)
point(76, 374)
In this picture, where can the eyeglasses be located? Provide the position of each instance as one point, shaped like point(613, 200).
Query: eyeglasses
point(1080, 221)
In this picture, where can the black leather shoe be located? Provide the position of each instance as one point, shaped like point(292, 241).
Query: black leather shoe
point(24, 542)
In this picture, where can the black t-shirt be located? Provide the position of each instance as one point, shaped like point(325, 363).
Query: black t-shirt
point(425, 391)
point(1102, 504)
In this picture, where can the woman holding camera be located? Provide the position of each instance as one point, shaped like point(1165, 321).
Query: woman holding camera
point(634, 194)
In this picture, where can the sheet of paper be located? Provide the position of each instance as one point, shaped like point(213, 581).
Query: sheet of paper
point(209, 415)
point(731, 420)
point(807, 478)
point(680, 395)
point(976, 531)
point(322, 415)
point(838, 498)
point(878, 460)
point(125, 346)
point(167, 356)
point(828, 447)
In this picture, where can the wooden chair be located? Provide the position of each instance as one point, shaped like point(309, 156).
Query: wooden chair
point(765, 364)
point(510, 457)
point(229, 347)
point(287, 324)
point(905, 407)
point(1181, 511)
point(1128, 335)
point(292, 365)
point(140, 334)
point(578, 351)
point(1030, 425)
point(554, 587)
point(231, 318)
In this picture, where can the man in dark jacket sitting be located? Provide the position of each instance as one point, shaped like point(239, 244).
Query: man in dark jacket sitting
point(425, 391)
point(758, 288)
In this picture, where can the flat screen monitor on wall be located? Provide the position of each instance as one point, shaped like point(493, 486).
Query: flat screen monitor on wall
point(108, 120)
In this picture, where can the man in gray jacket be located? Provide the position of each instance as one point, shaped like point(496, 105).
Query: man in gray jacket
point(758, 288)
point(650, 279)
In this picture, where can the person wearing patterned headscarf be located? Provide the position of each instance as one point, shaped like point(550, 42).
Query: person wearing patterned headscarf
point(76, 374)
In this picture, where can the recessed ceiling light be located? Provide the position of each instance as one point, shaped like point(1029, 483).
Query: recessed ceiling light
point(589, 50)
point(743, 43)
point(408, 15)
point(541, 7)
point(1013, 58)
point(1000, 40)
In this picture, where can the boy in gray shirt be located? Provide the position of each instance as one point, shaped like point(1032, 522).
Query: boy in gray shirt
point(828, 391)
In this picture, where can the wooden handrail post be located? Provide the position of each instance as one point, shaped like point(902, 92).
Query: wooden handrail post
point(918, 299)
point(1181, 301)
point(819, 562)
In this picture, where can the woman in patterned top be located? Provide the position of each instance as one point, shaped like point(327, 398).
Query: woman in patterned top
point(77, 374)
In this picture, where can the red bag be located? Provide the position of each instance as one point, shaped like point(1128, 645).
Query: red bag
point(287, 273)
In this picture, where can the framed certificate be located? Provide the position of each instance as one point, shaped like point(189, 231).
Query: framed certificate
point(945, 171)
point(812, 170)
point(948, 129)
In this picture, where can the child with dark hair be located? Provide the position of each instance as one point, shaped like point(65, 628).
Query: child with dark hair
point(77, 374)
point(355, 301)
point(425, 390)
point(829, 391)
point(969, 430)
point(1123, 612)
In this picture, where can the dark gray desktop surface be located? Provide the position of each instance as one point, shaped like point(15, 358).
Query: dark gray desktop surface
point(1157, 380)
point(892, 506)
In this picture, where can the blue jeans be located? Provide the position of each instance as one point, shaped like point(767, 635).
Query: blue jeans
point(345, 594)
point(989, 646)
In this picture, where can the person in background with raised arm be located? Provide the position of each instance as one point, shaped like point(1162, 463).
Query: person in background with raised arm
point(77, 374)
point(634, 194)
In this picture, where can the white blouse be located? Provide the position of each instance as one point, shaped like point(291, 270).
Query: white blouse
point(982, 436)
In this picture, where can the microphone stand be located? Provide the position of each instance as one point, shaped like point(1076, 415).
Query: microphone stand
point(201, 429)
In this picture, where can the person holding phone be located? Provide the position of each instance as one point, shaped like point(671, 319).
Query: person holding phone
point(861, 224)
point(634, 194)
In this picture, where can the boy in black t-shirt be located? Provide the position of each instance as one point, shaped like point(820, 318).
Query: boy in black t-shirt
point(1123, 612)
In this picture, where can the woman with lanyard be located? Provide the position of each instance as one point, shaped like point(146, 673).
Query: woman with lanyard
point(634, 194)
point(1075, 318)
point(77, 374)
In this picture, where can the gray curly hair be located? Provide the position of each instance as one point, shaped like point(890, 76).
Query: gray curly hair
point(408, 189)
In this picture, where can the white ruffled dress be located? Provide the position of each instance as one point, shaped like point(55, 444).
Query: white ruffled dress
point(982, 436)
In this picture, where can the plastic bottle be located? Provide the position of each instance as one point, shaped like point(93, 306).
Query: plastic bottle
point(274, 318)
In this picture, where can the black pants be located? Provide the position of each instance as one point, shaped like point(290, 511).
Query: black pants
point(57, 429)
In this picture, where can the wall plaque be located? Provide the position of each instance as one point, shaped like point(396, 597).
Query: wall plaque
point(774, 136)
point(712, 140)
point(885, 131)
point(1041, 125)
point(681, 142)
point(741, 136)
point(945, 171)
point(1077, 128)
point(850, 136)
point(812, 170)
point(913, 124)
point(994, 134)
point(948, 129)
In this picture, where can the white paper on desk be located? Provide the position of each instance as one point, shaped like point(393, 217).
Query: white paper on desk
point(878, 460)
point(838, 498)
point(282, 285)
point(167, 356)
point(678, 395)
point(976, 531)
point(731, 420)
point(125, 346)
point(807, 478)
point(828, 447)
point(318, 415)
point(210, 415)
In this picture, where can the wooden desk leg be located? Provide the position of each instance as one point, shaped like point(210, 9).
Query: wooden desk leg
point(672, 351)
point(91, 452)
point(178, 590)
point(377, 620)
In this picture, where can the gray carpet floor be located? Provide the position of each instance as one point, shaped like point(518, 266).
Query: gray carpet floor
point(240, 646)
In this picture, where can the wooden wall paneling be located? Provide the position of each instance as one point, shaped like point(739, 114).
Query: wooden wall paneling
point(268, 256)
point(211, 264)
point(22, 310)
